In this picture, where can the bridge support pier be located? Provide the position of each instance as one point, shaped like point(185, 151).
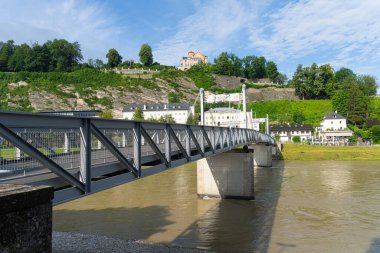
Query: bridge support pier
point(227, 175)
point(262, 155)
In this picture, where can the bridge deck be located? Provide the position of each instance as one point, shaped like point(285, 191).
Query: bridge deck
point(82, 155)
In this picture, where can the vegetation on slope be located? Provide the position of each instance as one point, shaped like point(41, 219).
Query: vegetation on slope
point(282, 111)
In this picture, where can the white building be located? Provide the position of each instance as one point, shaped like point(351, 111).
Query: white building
point(229, 117)
point(333, 129)
point(287, 132)
point(179, 111)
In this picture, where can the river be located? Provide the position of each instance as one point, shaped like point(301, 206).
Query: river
point(300, 206)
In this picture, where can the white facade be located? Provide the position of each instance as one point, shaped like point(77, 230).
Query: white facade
point(229, 117)
point(180, 112)
point(287, 132)
point(333, 129)
point(328, 124)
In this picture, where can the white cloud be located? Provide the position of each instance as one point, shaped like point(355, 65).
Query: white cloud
point(82, 21)
point(212, 28)
point(346, 32)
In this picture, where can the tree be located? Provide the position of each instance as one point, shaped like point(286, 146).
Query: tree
point(298, 118)
point(6, 52)
point(167, 118)
point(299, 82)
point(38, 59)
point(138, 114)
point(106, 114)
point(313, 82)
point(146, 56)
point(374, 133)
point(342, 74)
point(114, 58)
point(368, 85)
point(281, 78)
point(173, 97)
point(351, 101)
point(228, 64)
point(272, 71)
point(64, 54)
point(192, 119)
point(17, 62)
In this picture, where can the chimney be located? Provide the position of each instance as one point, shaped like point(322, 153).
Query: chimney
point(144, 107)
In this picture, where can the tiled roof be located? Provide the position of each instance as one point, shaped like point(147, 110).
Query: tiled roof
point(223, 109)
point(333, 115)
point(286, 127)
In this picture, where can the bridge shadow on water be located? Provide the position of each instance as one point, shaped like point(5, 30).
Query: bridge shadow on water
point(240, 225)
point(142, 222)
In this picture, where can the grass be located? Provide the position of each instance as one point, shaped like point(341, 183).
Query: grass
point(343, 153)
point(282, 110)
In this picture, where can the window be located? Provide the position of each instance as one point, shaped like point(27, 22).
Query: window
point(332, 122)
point(340, 122)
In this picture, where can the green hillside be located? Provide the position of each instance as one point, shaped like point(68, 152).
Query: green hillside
point(281, 111)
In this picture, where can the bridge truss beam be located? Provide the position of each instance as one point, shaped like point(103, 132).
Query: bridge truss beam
point(81, 155)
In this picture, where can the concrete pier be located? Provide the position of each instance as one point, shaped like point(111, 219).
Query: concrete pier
point(227, 175)
point(25, 218)
point(262, 155)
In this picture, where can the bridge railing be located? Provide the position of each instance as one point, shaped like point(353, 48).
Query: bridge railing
point(80, 155)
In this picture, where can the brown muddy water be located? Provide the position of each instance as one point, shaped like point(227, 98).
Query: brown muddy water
point(300, 206)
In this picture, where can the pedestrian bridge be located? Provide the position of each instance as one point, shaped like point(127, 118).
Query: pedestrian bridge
point(83, 155)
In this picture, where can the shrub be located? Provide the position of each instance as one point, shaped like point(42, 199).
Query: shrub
point(296, 139)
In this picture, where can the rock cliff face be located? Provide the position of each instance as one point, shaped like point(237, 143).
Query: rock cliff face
point(267, 94)
point(42, 100)
point(115, 98)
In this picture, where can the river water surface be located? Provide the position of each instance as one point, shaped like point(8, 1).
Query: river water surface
point(300, 206)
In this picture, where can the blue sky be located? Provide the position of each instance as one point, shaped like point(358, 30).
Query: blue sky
point(339, 32)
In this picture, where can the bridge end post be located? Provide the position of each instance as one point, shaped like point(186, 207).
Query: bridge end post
point(227, 175)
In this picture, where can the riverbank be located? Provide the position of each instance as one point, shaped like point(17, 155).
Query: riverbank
point(67, 242)
point(343, 153)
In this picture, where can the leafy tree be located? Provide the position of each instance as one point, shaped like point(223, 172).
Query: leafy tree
point(351, 101)
point(167, 118)
point(299, 82)
point(368, 84)
point(64, 54)
point(192, 119)
point(146, 55)
point(106, 114)
point(138, 114)
point(272, 71)
point(313, 82)
point(281, 78)
point(173, 97)
point(98, 64)
point(114, 58)
point(228, 64)
point(298, 118)
point(374, 134)
point(17, 62)
point(6, 52)
point(342, 74)
point(38, 59)
point(95, 63)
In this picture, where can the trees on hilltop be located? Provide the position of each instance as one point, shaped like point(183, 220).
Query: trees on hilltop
point(146, 55)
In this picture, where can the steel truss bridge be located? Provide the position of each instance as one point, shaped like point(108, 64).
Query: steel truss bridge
point(83, 155)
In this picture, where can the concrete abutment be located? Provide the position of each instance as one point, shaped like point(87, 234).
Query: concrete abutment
point(26, 218)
